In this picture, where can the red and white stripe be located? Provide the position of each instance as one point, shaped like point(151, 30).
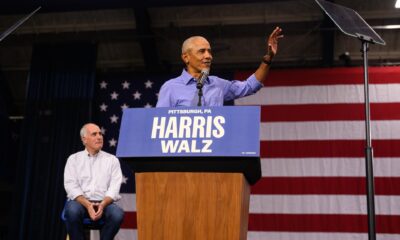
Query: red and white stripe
point(312, 154)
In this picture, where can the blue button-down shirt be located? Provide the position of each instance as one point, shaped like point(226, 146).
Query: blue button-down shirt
point(182, 91)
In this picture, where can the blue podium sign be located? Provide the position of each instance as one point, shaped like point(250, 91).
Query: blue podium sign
point(195, 131)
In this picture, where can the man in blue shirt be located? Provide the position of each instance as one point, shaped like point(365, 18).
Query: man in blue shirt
point(196, 54)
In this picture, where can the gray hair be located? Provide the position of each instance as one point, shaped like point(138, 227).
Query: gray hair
point(188, 43)
point(83, 131)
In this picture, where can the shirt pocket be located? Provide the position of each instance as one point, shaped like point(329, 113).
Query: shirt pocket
point(214, 97)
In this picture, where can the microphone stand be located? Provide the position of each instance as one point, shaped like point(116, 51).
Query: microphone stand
point(199, 86)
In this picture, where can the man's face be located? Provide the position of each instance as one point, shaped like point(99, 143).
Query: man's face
point(198, 57)
point(93, 140)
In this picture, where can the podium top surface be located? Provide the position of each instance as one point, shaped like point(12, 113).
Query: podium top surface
point(350, 22)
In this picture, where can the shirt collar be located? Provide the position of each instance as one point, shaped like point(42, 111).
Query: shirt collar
point(187, 78)
point(88, 154)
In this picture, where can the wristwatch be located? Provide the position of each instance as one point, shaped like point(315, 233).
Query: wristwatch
point(267, 59)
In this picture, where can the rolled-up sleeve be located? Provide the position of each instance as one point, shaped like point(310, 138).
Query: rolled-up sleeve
point(71, 183)
point(116, 180)
point(254, 84)
point(237, 89)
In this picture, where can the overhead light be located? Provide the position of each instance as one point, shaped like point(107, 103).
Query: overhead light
point(387, 26)
point(397, 5)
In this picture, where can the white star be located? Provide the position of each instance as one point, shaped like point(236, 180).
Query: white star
point(103, 131)
point(112, 142)
point(148, 105)
point(114, 96)
point(103, 107)
point(103, 85)
point(124, 179)
point(148, 84)
point(124, 106)
point(114, 119)
point(125, 85)
point(137, 95)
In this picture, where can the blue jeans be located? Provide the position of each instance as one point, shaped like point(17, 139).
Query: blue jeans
point(75, 213)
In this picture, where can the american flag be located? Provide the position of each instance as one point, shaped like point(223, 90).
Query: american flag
point(114, 93)
point(312, 153)
point(117, 92)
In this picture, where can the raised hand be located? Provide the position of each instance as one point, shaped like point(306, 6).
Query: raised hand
point(272, 47)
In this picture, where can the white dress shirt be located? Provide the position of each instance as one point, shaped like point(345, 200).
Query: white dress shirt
point(93, 177)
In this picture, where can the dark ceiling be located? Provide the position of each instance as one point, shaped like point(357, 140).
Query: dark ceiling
point(146, 36)
point(24, 6)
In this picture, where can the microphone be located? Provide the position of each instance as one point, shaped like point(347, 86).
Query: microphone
point(202, 78)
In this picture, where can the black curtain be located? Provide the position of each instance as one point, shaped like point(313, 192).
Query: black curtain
point(59, 95)
point(7, 159)
point(5, 136)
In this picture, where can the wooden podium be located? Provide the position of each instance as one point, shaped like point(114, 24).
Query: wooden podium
point(192, 195)
point(181, 206)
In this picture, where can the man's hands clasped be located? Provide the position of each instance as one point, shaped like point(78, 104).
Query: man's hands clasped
point(95, 211)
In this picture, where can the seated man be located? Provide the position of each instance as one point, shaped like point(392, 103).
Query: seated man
point(92, 180)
